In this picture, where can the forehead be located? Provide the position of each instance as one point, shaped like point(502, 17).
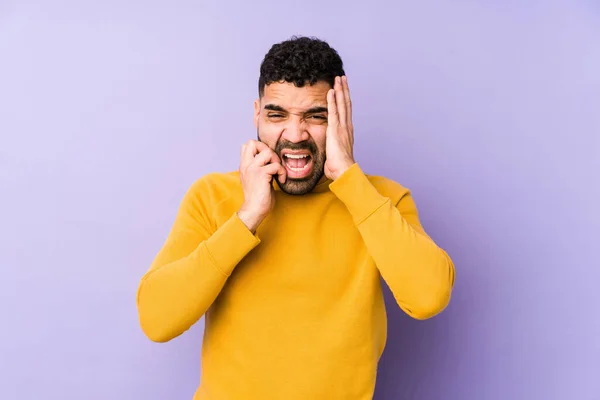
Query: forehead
point(290, 97)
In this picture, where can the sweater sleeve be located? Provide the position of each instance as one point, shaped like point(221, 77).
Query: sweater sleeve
point(190, 269)
point(419, 273)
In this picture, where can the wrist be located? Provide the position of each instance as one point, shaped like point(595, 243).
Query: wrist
point(345, 167)
point(251, 219)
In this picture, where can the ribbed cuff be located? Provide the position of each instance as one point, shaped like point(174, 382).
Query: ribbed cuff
point(230, 244)
point(359, 195)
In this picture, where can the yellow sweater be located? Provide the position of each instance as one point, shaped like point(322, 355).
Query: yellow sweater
point(294, 311)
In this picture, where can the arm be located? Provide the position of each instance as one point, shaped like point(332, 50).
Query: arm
point(418, 272)
point(191, 269)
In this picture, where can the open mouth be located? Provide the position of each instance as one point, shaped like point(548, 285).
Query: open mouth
point(298, 165)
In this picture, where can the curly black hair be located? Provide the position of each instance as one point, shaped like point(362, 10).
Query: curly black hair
point(300, 60)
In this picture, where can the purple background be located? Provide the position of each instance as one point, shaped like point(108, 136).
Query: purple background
point(488, 111)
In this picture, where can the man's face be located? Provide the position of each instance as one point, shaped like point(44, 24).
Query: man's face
point(292, 121)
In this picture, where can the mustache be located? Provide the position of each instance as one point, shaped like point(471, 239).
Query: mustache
point(309, 145)
point(282, 144)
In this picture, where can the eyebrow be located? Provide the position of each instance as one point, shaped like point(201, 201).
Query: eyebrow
point(312, 110)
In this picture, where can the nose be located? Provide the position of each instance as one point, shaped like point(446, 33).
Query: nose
point(295, 131)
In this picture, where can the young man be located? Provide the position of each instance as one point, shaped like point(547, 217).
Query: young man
point(284, 257)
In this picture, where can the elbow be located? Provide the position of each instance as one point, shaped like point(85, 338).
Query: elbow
point(435, 298)
point(152, 323)
point(430, 306)
point(155, 332)
point(153, 328)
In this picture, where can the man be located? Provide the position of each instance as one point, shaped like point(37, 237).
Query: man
point(284, 257)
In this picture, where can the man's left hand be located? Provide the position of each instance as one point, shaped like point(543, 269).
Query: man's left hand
point(340, 133)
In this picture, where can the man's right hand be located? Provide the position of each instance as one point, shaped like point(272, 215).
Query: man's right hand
point(258, 165)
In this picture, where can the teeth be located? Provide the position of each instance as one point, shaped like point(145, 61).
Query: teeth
point(296, 156)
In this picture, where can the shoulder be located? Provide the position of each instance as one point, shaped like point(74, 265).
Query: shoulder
point(218, 180)
point(388, 187)
point(400, 196)
point(215, 186)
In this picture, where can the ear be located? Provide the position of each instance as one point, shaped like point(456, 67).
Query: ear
point(256, 112)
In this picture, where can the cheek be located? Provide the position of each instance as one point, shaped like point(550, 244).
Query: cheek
point(319, 137)
point(269, 134)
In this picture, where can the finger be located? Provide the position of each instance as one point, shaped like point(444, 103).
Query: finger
point(347, 100)
point(262, 147)
point(332, 114)
point(249, 150)
point(340, 101)
point(276, 169)
point(246, 155)
point(265, 157)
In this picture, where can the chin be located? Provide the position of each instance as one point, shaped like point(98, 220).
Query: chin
point(298, 187)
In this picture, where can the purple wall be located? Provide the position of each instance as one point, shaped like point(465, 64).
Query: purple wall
point(489, 113)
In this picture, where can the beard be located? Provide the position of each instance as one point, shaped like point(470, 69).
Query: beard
point(304, 185)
